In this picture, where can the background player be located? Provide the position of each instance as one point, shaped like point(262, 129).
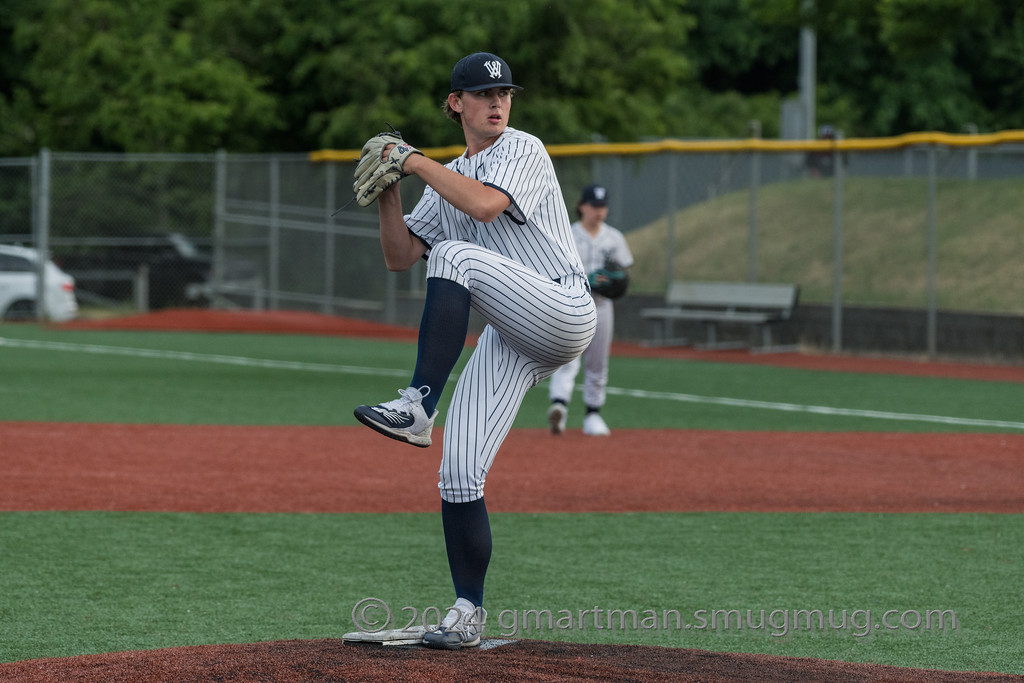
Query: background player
point(495, 231)
point(597, 243)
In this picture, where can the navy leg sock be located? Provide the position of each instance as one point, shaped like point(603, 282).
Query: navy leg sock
point(442, 337)
point(467, 538)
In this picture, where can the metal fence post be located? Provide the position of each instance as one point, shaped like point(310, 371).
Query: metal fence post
point(932, 252)
point(275, 232)
point(140, 288)
point(220, 190)
point(42, 236)
point(837, 252)
point(755, 182)
point(670, 227)
point(329, 205)
point(972, 153)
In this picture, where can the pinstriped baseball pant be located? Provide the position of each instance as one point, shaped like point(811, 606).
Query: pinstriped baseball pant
point(535, 325)
point(594, 361)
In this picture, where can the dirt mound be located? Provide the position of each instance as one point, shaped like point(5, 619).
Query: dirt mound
point(525, 660)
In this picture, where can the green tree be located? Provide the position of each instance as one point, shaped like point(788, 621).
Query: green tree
point(590, 67)
point(131, 76)
point(990, 50)
point(295, 75)
point(894, 66)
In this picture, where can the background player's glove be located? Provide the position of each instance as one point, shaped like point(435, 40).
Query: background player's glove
point(374, 175)
point(610, 281)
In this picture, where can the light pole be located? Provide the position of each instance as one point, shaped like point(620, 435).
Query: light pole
point(808, 69)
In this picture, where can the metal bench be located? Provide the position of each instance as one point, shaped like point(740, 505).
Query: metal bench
point(713, 303)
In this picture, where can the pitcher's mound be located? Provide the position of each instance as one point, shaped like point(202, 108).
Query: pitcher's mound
point(523, 660)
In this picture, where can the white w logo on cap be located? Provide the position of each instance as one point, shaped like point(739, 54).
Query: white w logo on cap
point(493, 69)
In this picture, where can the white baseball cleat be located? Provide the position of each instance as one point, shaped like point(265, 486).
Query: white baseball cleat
point(557, 415)
point(458, 630)
point(403, 419)
point(593, 425)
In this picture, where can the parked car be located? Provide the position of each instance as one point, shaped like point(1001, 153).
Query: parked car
point(176, 271)
point(19, 276)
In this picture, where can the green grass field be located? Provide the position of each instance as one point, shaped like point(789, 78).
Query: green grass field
point(198, 378)
point(90, 582)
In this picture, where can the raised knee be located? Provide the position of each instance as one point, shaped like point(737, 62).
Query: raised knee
point(448, 250)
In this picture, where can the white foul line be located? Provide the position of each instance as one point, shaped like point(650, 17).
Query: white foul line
point(819, 410)
point(632, 393)
point(200, 357)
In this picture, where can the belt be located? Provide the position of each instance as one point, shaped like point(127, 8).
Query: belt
point(565, 279)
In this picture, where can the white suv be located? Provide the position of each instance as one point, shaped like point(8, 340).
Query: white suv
point(18, 277)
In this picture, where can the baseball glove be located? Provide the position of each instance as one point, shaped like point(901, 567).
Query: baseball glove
point(374, 174)
point(611, 280)
point(373, 151)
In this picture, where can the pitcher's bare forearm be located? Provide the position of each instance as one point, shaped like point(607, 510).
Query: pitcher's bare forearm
point(401, 248)
point(468, 195)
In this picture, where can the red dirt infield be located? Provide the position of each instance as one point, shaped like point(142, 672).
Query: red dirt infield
point(202, 468)
point(61, 466)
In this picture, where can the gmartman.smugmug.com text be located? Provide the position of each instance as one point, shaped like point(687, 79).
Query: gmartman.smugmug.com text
point(774, 622)
point(374, 615)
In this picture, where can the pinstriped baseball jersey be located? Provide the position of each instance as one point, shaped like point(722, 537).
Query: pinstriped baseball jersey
point(534, 230)
point(525, 278)
point(607, 243)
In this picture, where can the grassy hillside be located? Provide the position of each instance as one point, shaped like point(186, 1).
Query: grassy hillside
point(980, 228)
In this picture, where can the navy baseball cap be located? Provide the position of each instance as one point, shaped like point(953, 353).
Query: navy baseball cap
point(595, 195)
point(482, 70)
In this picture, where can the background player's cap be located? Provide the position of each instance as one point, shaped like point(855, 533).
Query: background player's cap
point(595, 195)
point(482, 70)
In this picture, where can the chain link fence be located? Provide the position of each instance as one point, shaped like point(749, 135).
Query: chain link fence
point(927, 222)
